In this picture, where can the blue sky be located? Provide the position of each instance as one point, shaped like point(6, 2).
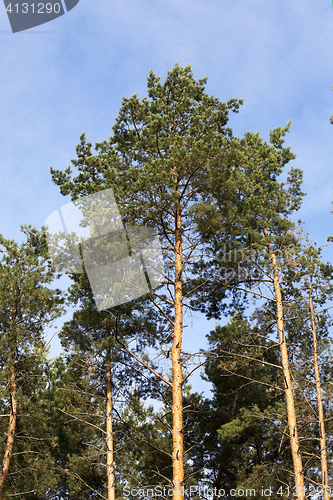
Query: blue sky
point(277, 55)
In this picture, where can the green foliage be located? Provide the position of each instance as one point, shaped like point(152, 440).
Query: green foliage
point(237, 431)
point(89, 339)
point(162, 156)
point(171, 153)
point(27, 307)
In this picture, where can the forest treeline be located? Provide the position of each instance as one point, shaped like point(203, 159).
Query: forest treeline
point(115, 416)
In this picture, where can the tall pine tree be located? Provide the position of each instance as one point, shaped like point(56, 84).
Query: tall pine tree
point(158, 161)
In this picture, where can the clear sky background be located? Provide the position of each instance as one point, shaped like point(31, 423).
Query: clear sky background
point(277, 55)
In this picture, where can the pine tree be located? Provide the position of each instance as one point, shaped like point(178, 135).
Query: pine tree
point(28, 306)
point(308, 330)
point(262, 221)
point(158, 162)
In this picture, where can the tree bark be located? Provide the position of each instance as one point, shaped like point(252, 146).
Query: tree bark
point(322, 436)
point(11, 432)
point(288, 387)
point(109, 430)
point(177, 377)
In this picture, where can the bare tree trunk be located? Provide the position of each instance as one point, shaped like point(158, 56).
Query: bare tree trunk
point(11, 432)
point(109, 430)
point(288, 387)
point(322, 437)
point(177, 379)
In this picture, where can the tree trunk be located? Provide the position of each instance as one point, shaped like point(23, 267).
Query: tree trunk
point(292, 422)
point(11, 431)
point(177, 377)
point(322, 437)
point(109, 430)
